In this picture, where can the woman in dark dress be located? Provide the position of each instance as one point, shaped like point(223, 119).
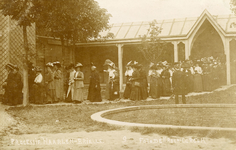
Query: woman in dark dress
point(94, 93)
point(136, 86)
point(128, 86)
point(143, 82)
point(166, 85)
point(153, 92)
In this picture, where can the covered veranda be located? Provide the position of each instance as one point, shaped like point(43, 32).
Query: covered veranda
point(188, 38)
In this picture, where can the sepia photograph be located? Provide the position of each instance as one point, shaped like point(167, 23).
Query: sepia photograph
point(117, 74)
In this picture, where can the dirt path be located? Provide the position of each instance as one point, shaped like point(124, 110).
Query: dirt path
point(5, 119)
point(114, 140)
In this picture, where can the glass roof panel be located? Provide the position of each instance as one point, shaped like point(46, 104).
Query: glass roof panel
point(132, 31)
point(166, 29)
point(177, 27)
point(187, 26)
point(143, 30)
point(122, 32)
point(114, 30)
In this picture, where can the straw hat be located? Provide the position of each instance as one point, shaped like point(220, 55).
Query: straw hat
point(78, 65)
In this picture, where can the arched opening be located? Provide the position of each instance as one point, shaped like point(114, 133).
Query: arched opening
point(207, 42)
point(233, 61)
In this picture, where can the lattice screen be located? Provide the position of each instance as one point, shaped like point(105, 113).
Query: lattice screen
point(12, 48)
point(4, 48)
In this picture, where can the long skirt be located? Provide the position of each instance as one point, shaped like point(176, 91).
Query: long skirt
point(38, 94)
point(153, 92)
point(127, 91)
point(166, 87)
point(135, 93)
point(207, 83)
point(78, 95)
point(58, 89)
point(114, 91)
point(197, 80)
point(190, 85)
point(144, 90)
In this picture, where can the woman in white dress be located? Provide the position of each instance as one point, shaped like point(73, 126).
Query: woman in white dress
point(78, 84)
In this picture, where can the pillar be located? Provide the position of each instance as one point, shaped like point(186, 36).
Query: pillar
point(227, 52)
point(187, 49)
point(175, 51)
point(120, 65)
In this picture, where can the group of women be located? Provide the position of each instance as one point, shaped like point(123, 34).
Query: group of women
point(56, 87)
point(202, 75)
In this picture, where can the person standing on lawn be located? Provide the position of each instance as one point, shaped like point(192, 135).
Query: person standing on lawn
point(128, 74)
point(8, 84)
point(197, 78)
point(143, 82)
point(57, 81)
point(94, 93)
point(70, 83)
point(153, 92)
point(49, 84)
point(78, 96)
point(179, 83)
point(38, 87)
point(166, 85)
point(31, 77)
point(136, 85)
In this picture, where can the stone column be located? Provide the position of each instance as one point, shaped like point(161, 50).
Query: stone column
point(227, 52)
point(175, 51)
point(120, 65)
point(187, 49)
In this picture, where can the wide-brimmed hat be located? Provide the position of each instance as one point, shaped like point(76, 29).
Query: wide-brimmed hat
point(78, 65)
point(10, 65)
point(107, 62)
point(129, 63)
point(57, 63)
point(49, 64)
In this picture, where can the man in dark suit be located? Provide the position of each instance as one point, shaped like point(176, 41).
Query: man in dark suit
point(179, 83)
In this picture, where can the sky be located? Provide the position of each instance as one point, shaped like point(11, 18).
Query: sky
point(148, 10)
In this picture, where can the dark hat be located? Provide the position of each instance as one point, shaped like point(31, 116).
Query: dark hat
point(153, 67)
point(185, 65)
point(57, 63)
point(70, 66)
point(38, 69)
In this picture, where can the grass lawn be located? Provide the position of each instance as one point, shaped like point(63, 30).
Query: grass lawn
point(60, 119)
point(206, 117)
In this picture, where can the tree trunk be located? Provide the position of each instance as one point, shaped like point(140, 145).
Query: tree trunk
point(25, 69)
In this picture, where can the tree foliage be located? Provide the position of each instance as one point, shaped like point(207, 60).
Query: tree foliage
point(233, 6)
point(76, 20)
point(151, 46)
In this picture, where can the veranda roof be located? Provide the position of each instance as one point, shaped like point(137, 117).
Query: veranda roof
point(170, 28)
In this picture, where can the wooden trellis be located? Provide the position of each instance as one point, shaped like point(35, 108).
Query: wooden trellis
point(12, 46)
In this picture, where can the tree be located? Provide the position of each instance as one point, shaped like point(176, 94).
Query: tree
point(151, 45)
point(20, 11)
point(233, 6)
point(71, 20)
